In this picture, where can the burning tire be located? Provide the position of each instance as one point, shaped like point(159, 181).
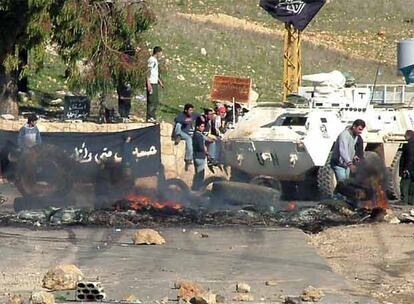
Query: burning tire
point(326, 180)
point(394, 191)
point(44, 171)
point(212, 179)
point(244, 194)
point(266, 181)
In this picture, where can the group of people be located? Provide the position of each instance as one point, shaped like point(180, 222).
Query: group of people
point(202, 134)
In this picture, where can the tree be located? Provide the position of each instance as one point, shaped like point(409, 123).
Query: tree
point(102, 42)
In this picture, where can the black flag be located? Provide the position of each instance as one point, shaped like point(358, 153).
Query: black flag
point(296, 12)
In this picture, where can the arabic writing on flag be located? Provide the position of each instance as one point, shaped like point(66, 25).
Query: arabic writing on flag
point(296, 12)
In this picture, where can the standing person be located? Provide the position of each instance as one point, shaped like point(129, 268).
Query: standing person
point(124, 99)
point(183, 129)
point(407, 169)
point(200, 153)
point(153, 80)
point(29, 134)
point(343, 154)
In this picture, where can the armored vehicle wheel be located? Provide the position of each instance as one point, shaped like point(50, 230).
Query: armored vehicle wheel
point(394, 191)
point(44, 171)
point(326, 180)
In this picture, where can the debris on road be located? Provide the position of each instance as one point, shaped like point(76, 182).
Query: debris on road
point(131, 299)
point(243, 287)
point(311, 294)
point(271, 283)
point(188, 290)
point(62, 277)
point(205, 298)
point(15, 299)
point(42, 297)
point(147, 237)
point(243, 297)
point(90, 291)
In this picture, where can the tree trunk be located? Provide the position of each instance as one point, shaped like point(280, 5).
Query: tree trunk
point(8, 93)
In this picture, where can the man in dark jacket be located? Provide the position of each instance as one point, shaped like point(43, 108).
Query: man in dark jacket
point(200, 153)
point(407, 169)
point(183, 129)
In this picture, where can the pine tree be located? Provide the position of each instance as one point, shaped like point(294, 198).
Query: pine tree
point(102, 42)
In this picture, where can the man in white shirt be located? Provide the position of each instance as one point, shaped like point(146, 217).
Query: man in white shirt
point(153, 81)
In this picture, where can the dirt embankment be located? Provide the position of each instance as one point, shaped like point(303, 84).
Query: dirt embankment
point(377, 259)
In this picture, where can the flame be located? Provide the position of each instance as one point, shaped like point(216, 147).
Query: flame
point(379, 200)
point(137, 201)
point(291, 206)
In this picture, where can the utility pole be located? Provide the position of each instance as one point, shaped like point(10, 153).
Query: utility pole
point(292, 62)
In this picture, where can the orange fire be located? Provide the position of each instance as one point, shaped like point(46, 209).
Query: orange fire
point(291, 206)
point(137, 202)
point(380, 199)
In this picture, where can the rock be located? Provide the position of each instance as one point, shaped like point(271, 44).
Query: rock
point(131, 299)
point(311, 294)
point(243, 287)
point(189, 290)
point(56, 102)
point(147, 237)
point(62, 277)
point(15, 299)
point(42, 297)
point(271, 283)
point(243, 297)
point(181, 77)
point(7, 116)
point(220, 299)
point(203, 52)
point(390, 217)
point(205, 298)
point(290, 300)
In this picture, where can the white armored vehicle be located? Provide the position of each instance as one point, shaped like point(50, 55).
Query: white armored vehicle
point(292, 145)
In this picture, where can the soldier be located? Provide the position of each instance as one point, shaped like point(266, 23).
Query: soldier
point(407, 169)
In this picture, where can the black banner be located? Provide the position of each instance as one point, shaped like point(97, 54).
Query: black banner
point(76, 107)
point(140, 149)
point(296, 12)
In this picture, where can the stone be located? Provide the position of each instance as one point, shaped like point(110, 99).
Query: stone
point(271, 283)
point(311, 294)
point(131, 299)
point(203, 52)
point(220, 299)
point(147, 237)
point(42, 297)
point(243, 297)
point(204, 298)
point(243, 287)
point(390, 217)
point(15, 299)
point(188, 290)
point(7, 116)
point(62, 277)
point(290, 300)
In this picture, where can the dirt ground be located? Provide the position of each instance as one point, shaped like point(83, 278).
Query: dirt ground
point(376, 258)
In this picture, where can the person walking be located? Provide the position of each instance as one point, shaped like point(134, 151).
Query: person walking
point(200, 153)
point(29, 134)
point(153, 81)
point(344, 155)
point(407, 169)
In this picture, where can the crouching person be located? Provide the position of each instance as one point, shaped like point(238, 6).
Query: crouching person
point(200, 154)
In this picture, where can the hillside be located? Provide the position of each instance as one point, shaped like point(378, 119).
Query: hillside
point(241, 39)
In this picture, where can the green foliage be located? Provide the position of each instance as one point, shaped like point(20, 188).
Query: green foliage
point(101, 42)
